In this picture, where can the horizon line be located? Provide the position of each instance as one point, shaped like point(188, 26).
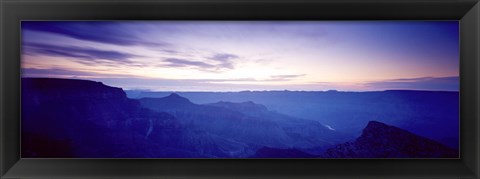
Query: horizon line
point(332, 90)
point(237, 91)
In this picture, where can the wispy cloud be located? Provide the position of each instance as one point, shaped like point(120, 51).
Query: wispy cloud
point(95, 31)
point(285, 77)
point(275, 78)
point(266, 54)
point(87, 56)
point(222, 57)
point(215, 63)
point(176, 62)
point(54, 72)
point(225, 60)
point(68, 73)
point(425, 83)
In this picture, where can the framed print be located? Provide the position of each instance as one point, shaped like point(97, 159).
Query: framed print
point(239, 89)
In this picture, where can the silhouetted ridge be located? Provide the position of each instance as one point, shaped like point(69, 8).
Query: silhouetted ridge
point(247, 106)
point(172, 101)
point(246, 122)
point(80, 118)
point(375, 125)
point(175, 98)
point(379, 140)
point(433, 114)
point(174, 95)
point(61, 83)
point(70, 88)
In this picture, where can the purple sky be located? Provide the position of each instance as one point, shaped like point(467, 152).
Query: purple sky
point(246, 55)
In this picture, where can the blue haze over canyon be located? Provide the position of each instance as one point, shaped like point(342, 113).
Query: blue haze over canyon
point(69, 118)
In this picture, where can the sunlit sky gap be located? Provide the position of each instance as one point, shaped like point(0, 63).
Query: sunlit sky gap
point(246, 55)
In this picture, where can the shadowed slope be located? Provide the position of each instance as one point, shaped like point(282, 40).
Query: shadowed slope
point(379, 140)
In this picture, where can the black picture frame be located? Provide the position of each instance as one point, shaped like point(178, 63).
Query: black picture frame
point(13, 11)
